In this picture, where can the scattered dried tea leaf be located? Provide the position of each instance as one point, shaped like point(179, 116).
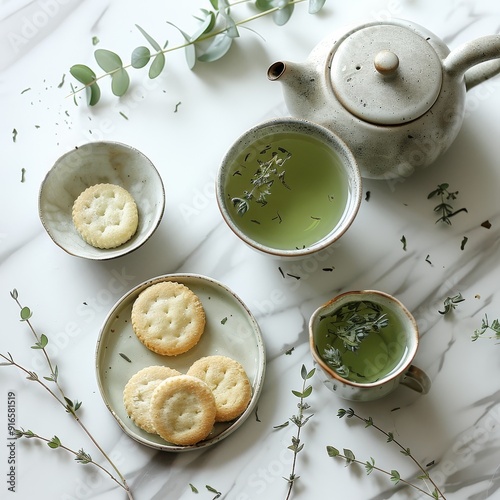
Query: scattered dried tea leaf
point(486, 224)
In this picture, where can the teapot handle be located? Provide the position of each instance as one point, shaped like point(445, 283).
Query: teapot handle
point(476, 61)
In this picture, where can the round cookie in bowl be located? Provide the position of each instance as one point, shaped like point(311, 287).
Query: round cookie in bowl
point(91, 191)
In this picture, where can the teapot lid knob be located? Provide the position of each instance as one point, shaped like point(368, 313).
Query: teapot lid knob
point(386, 62)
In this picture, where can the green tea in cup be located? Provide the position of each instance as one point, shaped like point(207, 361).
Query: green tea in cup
point(288, 187)
point(364, 342)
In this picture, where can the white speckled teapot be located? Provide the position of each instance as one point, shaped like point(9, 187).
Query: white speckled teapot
point(391, 90)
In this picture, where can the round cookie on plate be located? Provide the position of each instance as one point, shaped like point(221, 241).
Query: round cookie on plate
point(138, 392)
point(183, 410)
point(168, 318)
point(228, 381)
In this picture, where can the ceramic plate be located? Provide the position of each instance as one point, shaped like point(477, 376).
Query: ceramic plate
point(230, 330)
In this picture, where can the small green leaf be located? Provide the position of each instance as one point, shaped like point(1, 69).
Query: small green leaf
point(315, 6)
point(14, 294)
point(54, 443)
point(82, 73)
point(332, 451)
point(25, 313)
point(107, 60)
point(283, 15)
point(218, 48)
point(120, 82)
point(395, 476)
point(140, 57)
point(157, 65)
point(193, 488)
point(307, 392)
point(150, 39)
point(349, 456)
point(281, 426)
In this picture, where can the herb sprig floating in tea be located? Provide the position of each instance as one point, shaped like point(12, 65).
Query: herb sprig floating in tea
point(263, 179)
point(351, 324)
point(445, 208)
point(51, 384)
point(299, 420)
point(217, 31)
point(350, 458)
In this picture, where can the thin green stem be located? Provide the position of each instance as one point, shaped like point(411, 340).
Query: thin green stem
point(401, 480)
point(75, 453)
point(63, 399)
point(390, 437)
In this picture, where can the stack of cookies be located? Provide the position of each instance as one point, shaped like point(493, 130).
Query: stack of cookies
point(182, 408)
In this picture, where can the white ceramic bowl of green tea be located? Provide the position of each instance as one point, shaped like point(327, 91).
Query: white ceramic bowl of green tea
point(364, 343)
point(288, 187)
point(96, 163)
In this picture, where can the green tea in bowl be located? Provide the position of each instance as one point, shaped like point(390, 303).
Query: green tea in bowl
point(288, 187)
point(364, 342)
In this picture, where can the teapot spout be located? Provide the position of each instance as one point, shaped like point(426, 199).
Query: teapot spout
point(301, 87)
point(277, 70)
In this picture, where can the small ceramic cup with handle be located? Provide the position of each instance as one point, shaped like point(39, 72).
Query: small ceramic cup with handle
point(288, 187)
point(364, 343)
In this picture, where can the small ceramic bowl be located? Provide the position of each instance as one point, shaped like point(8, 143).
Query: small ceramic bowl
point(288, 188)
point(95, 163)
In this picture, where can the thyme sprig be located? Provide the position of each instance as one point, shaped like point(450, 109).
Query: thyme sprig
point(486, 326)
point(445, 208)
point(299, 420)
point(347, 455)
point(351, 324)
point(263, 179)
point(57, 392)
point(213, 38)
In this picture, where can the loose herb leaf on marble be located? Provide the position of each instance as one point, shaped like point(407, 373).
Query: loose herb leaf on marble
point(451, 303)
point(444, 208)
point(348, 456)
point(52, 385)
point(486, 326)
point(214, 36)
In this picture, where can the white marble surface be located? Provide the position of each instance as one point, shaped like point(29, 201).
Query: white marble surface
point(456, 425)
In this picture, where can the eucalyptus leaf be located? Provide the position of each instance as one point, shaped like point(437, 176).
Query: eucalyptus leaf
point(82, 73)
point(140, 57)
point(217, 49)
point(107, 60)
point(157, 65)
point(120, 82)
point(315, 6)
point(264, 5)
point(231, 28)
point(282, 16)
point(206, 25)
point(93, 94)
point(189, 50)
point(149, 38)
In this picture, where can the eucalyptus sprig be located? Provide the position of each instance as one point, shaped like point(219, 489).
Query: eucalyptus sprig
point(214, 36)
point(445, 208)
point(52, 386)
point(347, 455)
point(486, 326)
point(299, 420)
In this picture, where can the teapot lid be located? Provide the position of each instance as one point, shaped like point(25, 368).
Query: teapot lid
point(386, 74)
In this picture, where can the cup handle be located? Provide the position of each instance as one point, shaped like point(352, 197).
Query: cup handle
point(416, 379)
